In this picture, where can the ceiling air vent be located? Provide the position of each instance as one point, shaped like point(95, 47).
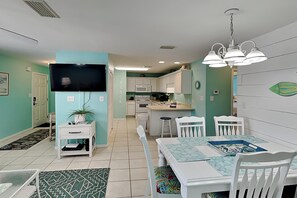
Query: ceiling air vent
point(42, 8)
point(167, 47)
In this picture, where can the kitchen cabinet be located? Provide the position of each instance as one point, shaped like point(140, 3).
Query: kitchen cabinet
point(163, 84)
point(133, 81)
point(179, 82)
point(130, 108)
point(131, 84)
point(154, 84)
point(183, 82)
point(142, 81)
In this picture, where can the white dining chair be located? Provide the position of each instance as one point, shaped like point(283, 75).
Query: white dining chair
point(190, 126)
point(162, 180)
point(229, 125)
point(258, 175)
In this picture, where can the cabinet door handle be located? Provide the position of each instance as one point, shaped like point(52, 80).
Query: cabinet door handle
point(73, 132)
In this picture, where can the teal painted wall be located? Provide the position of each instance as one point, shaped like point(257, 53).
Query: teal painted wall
point(16, 108)
point(119, 94)
point(132, 74)
point(198, 95)
point(217, 79)
point(211, 79)
point(64, 108)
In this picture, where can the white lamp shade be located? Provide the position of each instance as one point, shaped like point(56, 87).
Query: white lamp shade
point(221, 64)
point(245, 62)
point(256, 56)
point(234, 55)
point(212, 58)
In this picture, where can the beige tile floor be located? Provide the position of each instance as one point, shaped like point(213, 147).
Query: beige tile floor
point(124, 156)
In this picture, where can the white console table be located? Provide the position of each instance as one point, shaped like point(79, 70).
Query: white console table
point(77, 131)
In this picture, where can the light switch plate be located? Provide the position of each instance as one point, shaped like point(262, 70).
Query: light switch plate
point(101, 98)
point(211, 98)
point(70, 98)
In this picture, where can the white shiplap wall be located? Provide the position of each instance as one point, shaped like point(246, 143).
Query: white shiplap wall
point(268, 114)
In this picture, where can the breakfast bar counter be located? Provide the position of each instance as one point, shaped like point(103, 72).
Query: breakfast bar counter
point(156, 111)
point(168, 108)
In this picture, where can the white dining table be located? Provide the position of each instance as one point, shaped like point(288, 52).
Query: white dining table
point(198, 176)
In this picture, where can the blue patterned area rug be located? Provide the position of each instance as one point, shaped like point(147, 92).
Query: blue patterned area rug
point(83, 183)
point(28, 141)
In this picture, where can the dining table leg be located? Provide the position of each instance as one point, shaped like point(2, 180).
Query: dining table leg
point(192, 192)
point(162, 160)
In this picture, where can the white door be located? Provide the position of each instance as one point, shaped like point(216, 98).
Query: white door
point(39, 99)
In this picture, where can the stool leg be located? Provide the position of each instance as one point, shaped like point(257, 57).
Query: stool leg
point(162, 129)
point(170, 128)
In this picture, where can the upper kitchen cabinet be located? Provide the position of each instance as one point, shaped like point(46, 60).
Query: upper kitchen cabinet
point(131, 84)
point(162, 84)
point(179, 82)
point(154, 84)
point(183, 82)
point(142, 81)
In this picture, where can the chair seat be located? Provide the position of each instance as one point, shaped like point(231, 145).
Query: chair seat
point(166, 181)
point(165, 118)
point(218, 194)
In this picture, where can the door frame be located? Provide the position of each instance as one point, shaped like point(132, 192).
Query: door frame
point(110, 101)
point(32, 91)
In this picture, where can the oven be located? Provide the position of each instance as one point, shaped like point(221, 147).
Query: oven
point(141, 102)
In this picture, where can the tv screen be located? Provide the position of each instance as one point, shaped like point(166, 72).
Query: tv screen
point(77, 77)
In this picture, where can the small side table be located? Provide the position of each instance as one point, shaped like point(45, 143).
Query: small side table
point(77, 131)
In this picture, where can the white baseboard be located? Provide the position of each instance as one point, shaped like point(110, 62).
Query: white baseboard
point(101, 145)
point(16, 136)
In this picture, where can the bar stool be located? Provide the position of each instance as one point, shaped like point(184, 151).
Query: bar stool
point(164, 121)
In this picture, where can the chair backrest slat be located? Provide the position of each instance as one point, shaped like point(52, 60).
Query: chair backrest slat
point(190, 126)
point(260, 173)
point(229, 125)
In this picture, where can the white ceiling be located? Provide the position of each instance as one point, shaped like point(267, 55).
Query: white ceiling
point(132, 31)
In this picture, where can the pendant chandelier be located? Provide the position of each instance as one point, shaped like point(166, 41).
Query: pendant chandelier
point(234, 55)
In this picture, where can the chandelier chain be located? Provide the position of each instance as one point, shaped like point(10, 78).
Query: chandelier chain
point(231, 26)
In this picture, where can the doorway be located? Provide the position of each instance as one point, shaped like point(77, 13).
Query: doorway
point(39, 99)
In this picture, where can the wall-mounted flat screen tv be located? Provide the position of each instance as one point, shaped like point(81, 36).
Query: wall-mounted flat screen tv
point(77, 77)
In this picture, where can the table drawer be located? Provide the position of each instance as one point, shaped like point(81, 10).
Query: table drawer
point(75, 131)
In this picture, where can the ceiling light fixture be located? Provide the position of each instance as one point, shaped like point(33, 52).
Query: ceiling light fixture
point(176, 62)
point(132, 68)
point(234, 55)
point(161, 62)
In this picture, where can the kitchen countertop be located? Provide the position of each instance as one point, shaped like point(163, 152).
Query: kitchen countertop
point(167, 108)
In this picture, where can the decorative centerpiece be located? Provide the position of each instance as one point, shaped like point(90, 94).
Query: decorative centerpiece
point(80, 114)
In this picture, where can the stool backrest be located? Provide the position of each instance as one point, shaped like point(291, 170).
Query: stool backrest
point(229, 125)
point(190, 126)
point(260, 174)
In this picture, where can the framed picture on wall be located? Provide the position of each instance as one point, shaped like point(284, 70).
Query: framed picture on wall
point(4, 84)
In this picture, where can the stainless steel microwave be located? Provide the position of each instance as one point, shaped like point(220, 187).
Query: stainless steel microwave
point(143, 88)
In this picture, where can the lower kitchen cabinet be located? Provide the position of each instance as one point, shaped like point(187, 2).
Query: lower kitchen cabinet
point(130, 108)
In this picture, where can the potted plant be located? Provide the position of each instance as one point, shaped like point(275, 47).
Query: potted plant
point(80, 114)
